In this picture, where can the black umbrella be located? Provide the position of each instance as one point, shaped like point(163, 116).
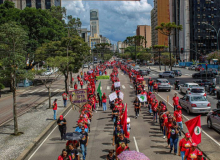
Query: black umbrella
point(73, 136)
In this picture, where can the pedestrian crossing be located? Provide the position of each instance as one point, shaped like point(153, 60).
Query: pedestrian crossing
point(40, 91)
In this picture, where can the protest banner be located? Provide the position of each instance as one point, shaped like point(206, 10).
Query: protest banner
point(112, 96)
point(121, 95)
point(142, 97)
point(78, 97)
point(117, 84)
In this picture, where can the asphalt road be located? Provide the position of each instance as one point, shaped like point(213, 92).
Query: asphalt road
point(145, 135)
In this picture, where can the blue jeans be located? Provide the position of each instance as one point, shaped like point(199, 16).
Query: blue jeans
point(114, 119)
point(164, 131)
point(175, 107)
point(173, 142)
point(182, 153)
point(64, 102)
point(155, 115)
point(180, 124)
point(104, 106)
point(151, 88)
point(83, 149)
point(54, 114)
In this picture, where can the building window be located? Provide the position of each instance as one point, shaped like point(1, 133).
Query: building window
point(204, 8)
point(198, 23)
point(38, 4)
point(28, 3)
point(47, 4)
point(198, 1)
point(198, 30)
point(198, 15)
point(198, 8)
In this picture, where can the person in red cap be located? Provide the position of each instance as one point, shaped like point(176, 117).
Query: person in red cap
point(199, 156)
point(62, 126)
point(179, 118)
point(81, 83)
point(184, 144)
point(192, 152)
point(55, 109)
point(175, 101)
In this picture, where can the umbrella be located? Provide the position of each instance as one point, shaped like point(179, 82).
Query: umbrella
point(90, 72)
point(132, 155)
point(73, 136)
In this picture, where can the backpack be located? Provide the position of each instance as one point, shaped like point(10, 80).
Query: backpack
point(64, 96)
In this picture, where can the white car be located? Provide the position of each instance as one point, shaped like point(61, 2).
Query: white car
point(167, 74)
point(186, 88)
point(197, 91)
point(85, 66)
point(192, 67)
point(176, 65)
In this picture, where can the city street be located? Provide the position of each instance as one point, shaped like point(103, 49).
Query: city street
point(145, 135)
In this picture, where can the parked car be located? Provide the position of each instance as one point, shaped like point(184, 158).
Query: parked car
point(166, 74)
point(213, 70)
point(176, 65)
point(143, 72)
point(185, 88)
point(85, 66)
point(202, 82)
point(213, 119)
point(47, 73)
point(192, 67)
point(177, 72)
point(197, 91)
point(195, 104)
point(163, 84)
point(202, 74)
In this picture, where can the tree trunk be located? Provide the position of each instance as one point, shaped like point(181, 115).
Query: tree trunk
point(49, 94)
point(71, 82)
point(66, 77)
point(13, 86)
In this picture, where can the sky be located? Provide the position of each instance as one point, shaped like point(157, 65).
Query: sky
point(117, 19)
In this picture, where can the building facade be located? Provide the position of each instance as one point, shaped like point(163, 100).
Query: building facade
point(145, 31)
point(180, 40)
point(94, 22)
point(42, 4)
point(83, 33)
point(159, 14)
point(94, 40)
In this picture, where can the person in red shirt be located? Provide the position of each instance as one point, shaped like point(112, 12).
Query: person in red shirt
point(184, 144)
point(149, 100)
point(155, 86)
point(154, 106)
point(81, 83)
point(55, 109)
point(104, 102)
point(83, 121)
point(75, 86)
point(168, 126)
point(164, 120)
point(199, 156)
point(64, 155)
point(179, 118)
point(121, 148)
point(64, 95)
point(73, 142)
point(175, 101)
point(192, 152)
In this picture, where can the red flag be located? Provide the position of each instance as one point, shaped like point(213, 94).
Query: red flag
point(124, 123)
point(194, 128)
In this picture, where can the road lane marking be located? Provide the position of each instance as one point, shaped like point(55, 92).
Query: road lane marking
point(135, 142)
point(188, 119)
point(26, 91)
point(123, 86)
point(186, 74)
point(108, 87)
point(34, 90)
point(131, 86)
point(46, 137)
point(56, 90)
point(42, 90)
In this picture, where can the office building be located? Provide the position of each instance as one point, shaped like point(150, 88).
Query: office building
point(159, 14)
point(43, 4)
point(83, 33)
point(145, 31)
point(94, 40)
point(94, 22)
point(105, 40)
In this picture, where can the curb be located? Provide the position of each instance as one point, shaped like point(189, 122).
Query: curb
point(37, 140)
point(158, 97)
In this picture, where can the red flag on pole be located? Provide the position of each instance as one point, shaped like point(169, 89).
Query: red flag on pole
point(124, 123)
point(194, 128)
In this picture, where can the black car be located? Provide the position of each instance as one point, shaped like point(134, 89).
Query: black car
point(177, 72)
point(202, 82)
point(143, 72)
point(202, 74)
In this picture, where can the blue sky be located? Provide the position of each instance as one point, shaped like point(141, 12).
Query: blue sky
point(117, 19)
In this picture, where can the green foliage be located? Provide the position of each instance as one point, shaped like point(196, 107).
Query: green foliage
point(107, 56)
point(58, 12)
point(1, 86)
point(102, 77)
point(168, 28)
point(73, 25)
point(135, 40)
point(165, 58)
point(159, 47)
point(144, 56)
point(214, 55)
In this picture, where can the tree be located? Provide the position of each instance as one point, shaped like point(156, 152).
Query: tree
point(168, 30)
point(144, 56)
point(165, 59)
point(58, 12)
point(73, 25)
point(13, 59)
point(135, 41)
point(1, 87)
point(213, 55)
point(159, 48)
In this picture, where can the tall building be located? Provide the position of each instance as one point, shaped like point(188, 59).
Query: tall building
point(105, 40)
point(159, 14)
point(94, 40)
point(145, 31)
point(43, 4)
point(180, 40)
point(83, 33)
point(94, 22)
point(204, 23)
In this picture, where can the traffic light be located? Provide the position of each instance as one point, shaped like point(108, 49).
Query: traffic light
point(206, 66)
point(181, 50)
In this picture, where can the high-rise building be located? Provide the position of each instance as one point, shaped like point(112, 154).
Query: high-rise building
point(83, 33)
point(180, 40)
point(94, 22)
point(145, 31)
point(43, 4)
point(159, 14)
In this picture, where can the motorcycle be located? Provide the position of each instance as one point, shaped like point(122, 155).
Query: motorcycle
point(213, 91)
point(177, 86)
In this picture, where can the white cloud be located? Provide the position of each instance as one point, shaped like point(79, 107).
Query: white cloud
point(117, 19)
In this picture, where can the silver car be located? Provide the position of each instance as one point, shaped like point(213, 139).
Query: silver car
point(213, 119)
point(197, 91)
point(195, 104)
point(167, 74)
point(163, 84)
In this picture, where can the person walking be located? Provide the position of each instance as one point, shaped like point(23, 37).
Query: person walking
point(175, 101)
point(73, 152)
point(75, 86)
point(137, 105)
point(62, 126)
point(184, 144)
point(84, 142)
point(99, 99)
point(104, 102)
point(192, 152)
point(64, 155)
point(55, 109)
point(179, 118)
point(154, 106)
point(81, 83)
point(174, 130)
point(64, 95)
